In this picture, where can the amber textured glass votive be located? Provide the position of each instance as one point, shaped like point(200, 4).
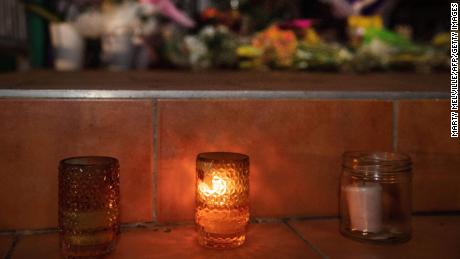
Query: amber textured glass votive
point(222, 199)
point(88, 205)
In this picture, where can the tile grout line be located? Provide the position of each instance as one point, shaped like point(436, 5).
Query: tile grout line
point(142, 224)
point(154, 157)
point(148, 224)
point(308, 243)
point(9, 254)
point(395, 125)
point(25, 232)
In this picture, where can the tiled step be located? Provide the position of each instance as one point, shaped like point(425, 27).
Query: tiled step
point(293, 126)
point(433, 237)
point(295, 148)
point(6, 243)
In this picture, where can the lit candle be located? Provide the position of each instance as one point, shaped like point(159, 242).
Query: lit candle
point(365, 207)
point(222, 199)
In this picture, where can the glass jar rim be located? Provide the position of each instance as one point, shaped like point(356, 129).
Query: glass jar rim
point(222, 156)
point(376, 161)
point(88, 161)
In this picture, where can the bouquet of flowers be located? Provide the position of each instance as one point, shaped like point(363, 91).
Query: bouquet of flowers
point(213, 46)
point(278, 46)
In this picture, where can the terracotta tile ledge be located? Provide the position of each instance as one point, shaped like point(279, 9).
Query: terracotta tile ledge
point(433, 236)
point(223, 84)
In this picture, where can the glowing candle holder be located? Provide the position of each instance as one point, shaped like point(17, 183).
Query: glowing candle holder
point(222, 199)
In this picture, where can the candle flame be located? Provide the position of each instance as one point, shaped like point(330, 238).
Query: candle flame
point(218, 187)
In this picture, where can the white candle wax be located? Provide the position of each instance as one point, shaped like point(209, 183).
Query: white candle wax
point(365, 207)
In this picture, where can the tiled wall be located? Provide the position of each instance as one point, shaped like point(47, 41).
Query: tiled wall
point(294, 146)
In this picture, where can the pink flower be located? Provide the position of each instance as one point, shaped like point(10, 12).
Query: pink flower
point(302, 23)
point(167, 8)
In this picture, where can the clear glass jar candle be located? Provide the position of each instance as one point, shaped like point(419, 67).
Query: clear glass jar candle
point(222, 199)
point(375, 196)
point(89, 198)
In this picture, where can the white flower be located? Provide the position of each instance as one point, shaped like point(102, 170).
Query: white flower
point(90, 24)
point(379, 49)
point(344, 55)
point(208, 31)
point(126, 19)
point(197, 50)
point(222, 29)
point(301, 54)
point(123, 17)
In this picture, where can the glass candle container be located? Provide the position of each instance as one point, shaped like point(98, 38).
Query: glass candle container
point(88, 205)
point(222, 199)
point(375, 196)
